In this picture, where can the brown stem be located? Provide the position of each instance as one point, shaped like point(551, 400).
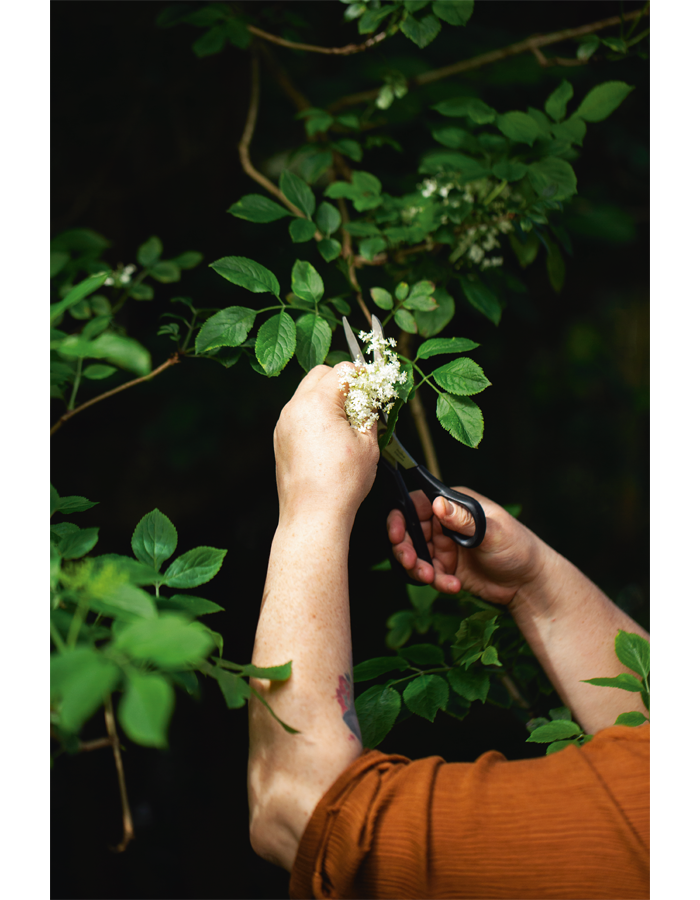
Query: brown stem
point(128, 835)
point(418, 413)
point(528, 45)
point(512, 689)
point(280, 75)
point(175, 358)
point(97, 744)
point(331, 51)
point(556, 60)
point(350, 259)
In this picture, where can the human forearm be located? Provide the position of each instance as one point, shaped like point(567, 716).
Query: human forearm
point(571, 626)
point(304, 617)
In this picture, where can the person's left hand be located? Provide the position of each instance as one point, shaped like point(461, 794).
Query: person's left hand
point(321, 459)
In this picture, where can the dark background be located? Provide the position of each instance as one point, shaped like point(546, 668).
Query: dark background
point(144, 141)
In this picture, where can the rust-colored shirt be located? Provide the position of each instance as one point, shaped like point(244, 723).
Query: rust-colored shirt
point(571, 825)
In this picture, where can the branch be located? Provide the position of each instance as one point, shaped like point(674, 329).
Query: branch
point(476, 62)
point(175, 358)
point(418, 413)
point(126, 811)
point(331, 51)
point(556, 60)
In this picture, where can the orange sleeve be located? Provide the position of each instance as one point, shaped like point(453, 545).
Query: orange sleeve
point(571, 825)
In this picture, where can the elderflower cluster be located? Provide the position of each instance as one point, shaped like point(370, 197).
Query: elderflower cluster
point(123, 277)
point(372, 387)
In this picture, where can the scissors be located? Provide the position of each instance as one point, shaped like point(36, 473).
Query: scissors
point(395, 458)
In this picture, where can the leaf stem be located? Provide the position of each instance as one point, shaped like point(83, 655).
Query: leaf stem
point(183, 349)
point(76, 382)
point(127, 821)
point(420, 672)
point(81, 611)
point(496, 191)
point(125, 295)
point(56, 638)
point(272, 712)
point(312, 48)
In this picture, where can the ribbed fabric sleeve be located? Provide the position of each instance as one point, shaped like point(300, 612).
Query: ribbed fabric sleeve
point(570, 826)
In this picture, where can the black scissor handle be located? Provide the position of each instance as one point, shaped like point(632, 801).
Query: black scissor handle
point(433, 487)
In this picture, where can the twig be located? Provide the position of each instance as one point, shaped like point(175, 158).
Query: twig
point(282, 78)
point(528, 45)
point(128, 835)
point(556, 60)
point(175, 358)
point(350, 259)
point(418, 413)
point(331, 51)
point(518, 698)
point(97, 744)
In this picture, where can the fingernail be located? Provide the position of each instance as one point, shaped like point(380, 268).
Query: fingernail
point(449, 507)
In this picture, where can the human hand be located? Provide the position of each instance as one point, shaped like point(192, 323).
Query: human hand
point(509, 557)
point(321, 460)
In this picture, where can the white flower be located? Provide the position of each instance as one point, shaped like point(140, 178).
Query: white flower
point(371, 387)
point(429, 187)
point(476, 254)
point(109, 281)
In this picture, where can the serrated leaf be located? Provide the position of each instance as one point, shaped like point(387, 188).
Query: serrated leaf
point(235, 689)
point(633, 651)
point(482, 299)
point(374, 668)
point(405, 321)
point(197, 606)
point(76, 294)
point(149, 252)
point(247, 273)
point(361, 229)
point(68, 505)
point(554, 731)
point(275, 343)
point(519, 127)
point(510, 170)
point(423, 654)
point(170, 641)
point(80, 679)
point(555, 105)
point(77, 543)
point(372, 17)
point(146, 707)
point(227, 328)
point(327, 219)
point(306, 282)
point(329, 249)
point(602, 100)
point(421, 31)
point(572, 131)
point(432, 322)
point(559, 745)
point(478, 111)
point(369, 247)
point(624, 682)
point(274, 673)
point(297, 191)
point(439, 346)
point(301, 230)
point(490, 657)
point(462, 418)
point(123, 351)
point(471, 684)
point(313, 341)
point(256, 208)
point(631, 719)
point(382, 298)
point(425, 695)
point(552, 171)
point(193, 568)
point(377, 709)
point(455, 12)
point(349, 148)
point(154, 539)
point(461, 376)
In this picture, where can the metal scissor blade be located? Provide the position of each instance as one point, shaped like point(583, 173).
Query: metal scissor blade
point(395, 452)
point(353, 346)
point(379, 333)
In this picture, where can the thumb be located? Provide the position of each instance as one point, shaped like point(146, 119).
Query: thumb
point(453, 516)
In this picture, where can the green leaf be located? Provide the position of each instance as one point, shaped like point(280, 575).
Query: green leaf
point(154, 539)
point(122, 351)
point(80, 679)
point(247, 274)
point(382, 298)
point(602, 100)
point(430, 323)
point(97, 372)
point(327, 219)
point(414, 5)
point(624, 681)
point(553, 171)
point(361, 229)
point(554, 731)
point(490, 657)
point(405, 321)
point(425, 695)
point(527, 252)
point(211, 42)
point(369, 247)
point(125, 567)
point(227, 328)
point(572, 131)
point(306, 282)
point(301, 230)
point(555, 106)
point(146, 707)
point(189, 259)
point(468, 167)
point(195, 567)
point(478, 111)
point(119, 599)
point(588, 47)
point(372, 17)
point(559, 745)
point(645, 699)
point(235, 689)
point(149, 252)
point(462, 418)
point(423, 654)
point(313, 165)
point(543, 121)
point(275, 343)
point(256, 208)
point(632, 719)
point(374, 668)
point(313, 341)
point(349, 148)
point(165, 271)
point(421, 31)
point(482, 299)
point(78, 543)
point(274, 673)
point(82, 239)
point(461, 376)
point(561, 713)
point(385, 97)
point(455, 12)
point(169, 641)
point(472, 684)
point(439, 346)
point(509, 170)
point(316, 120)
point(141, 292)
point(377, 709)
point(329, 249)
point(68, 505)
point(76, 294)
point(633, 651)
point(420, 297)
point(401, 627)
point(198, 606)
point(616, 44)
point(519, 127)
point(237, 33)
point(59, 258)
point(449, 136)
point(298, 192)
point(556, 268)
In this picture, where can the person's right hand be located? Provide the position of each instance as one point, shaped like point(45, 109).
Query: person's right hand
point(509, 557)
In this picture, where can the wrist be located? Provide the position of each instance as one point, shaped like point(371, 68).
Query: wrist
point(317, 511)
point(540, 593)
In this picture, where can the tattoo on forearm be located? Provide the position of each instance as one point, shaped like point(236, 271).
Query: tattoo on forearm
point(344, 696)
